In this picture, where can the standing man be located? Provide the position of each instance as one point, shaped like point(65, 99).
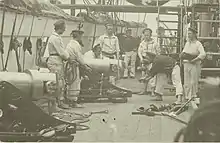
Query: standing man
point(57, 55)
point(148, 45)
point(164, 42)
point(74, 48)
point(110, 46)
point(192, 56)
point(130, 50)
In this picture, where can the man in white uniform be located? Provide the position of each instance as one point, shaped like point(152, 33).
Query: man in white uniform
point(148, 45)
point(110, 46)
point(74, 48)
point(57, 55)
point(95, 53)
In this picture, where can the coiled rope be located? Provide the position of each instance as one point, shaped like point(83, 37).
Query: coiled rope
point(70, 72)
point(204, 125)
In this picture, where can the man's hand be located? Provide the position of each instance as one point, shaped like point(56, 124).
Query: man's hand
point(86, 77)
point(88, 68)
point(194, 60)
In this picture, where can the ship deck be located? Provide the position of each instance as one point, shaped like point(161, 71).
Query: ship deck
point(119, 125)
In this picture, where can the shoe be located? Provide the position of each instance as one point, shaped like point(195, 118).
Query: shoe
point(62, 105)
point(142, 93)
point(125, 77)
point(157, 97)
point(76, 105)
point(142, 79)
point(132, 77)
point(179, 99)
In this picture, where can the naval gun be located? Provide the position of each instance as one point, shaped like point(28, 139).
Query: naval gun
point(98, 85)
point(23, 121)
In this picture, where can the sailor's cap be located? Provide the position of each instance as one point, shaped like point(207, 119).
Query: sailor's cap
point(147, 29)
point(193, 30)
point(128, 30)
point(77, 31)
point(108, 24)
point(96, 46)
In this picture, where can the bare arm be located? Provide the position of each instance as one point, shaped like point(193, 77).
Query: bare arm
point(140, 51)
point(79, 55)
point(157, 47)
point(202, 53)
point(117, 47)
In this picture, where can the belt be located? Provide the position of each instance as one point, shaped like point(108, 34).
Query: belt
point(54, 54)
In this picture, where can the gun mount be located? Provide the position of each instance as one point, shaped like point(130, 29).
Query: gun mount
point(98, 85)
point(22, 120)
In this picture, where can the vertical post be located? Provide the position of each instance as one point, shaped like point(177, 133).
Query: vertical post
point(181, 39)
point(158, 19)
point(72, 11)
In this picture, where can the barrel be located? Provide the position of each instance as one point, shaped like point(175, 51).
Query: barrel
point(31, 82)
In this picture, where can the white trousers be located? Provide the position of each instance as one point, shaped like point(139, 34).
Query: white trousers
point(162, 79)
point(56, 66)
point(130, 57)
point(151, 84)
point(191, 79)
point(73, 90)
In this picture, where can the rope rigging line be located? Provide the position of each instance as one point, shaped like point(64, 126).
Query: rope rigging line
point(19, 30)
point(13, 45)
point(1, 38)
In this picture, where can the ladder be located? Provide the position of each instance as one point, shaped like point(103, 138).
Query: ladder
point(208, 8)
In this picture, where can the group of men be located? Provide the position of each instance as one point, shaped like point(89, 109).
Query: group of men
point(107, 46)
point(156, 68)
point(159, 69)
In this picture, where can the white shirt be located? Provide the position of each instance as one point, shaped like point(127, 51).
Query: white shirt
point(75, 51)
point(195, 48)
point(148, 46)
point(109, 44)
point(55, 46)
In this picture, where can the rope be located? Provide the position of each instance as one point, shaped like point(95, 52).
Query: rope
point(19, 30)
point(1, 38)
point(145, 15)
point(94, 36)
point(70, 71)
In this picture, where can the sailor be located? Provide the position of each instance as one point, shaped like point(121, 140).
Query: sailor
point(110, 46)
point(192, 66)
point(57, 55)
point(130, 50)
point(148, 45)
point(109, 43)
point(95, 53)
point(163, 67)
point(74, 48)
point(164, 42)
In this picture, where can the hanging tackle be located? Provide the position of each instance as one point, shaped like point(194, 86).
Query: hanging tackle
point(27, 45)
point(14, 44)
point(41, 46)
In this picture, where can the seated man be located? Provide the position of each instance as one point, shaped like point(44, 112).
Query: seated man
point(95, 53)
point(161, 67)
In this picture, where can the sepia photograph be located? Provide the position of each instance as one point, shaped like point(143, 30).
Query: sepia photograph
point(109, 71)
